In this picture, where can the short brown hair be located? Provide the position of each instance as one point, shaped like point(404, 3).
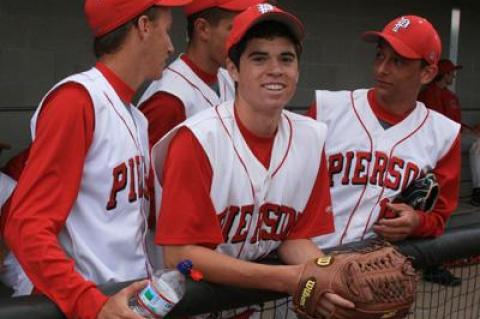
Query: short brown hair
point(113, 40)
point(212, 15)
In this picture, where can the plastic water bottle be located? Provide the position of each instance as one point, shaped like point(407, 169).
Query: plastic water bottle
point(164, 290)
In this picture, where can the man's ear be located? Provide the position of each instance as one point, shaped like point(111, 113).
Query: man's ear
point(201, 29)
point(232, 70)
point(428, 73)
point(143, 26)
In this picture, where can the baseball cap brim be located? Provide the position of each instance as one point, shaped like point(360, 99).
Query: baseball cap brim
point(239, 5)
point(396, 44)
point(172, 3)
point(230, 5)
point(293, 24)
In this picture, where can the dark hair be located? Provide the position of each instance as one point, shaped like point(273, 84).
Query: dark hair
point(212, 15)
point(113, 40)
point(263, 30)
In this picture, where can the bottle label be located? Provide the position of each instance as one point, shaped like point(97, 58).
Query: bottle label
point(155, 301)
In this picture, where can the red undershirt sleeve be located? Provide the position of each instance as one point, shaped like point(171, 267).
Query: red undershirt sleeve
point(312, 111)
point(317, 218)
point(187, 215)
point(45, 194)
point(164, 111)
point(432, 224)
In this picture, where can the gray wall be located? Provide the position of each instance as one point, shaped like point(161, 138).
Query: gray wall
point(43, 41)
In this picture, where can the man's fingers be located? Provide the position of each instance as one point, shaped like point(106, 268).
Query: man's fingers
point(399, 221)
point(339, 301)
point(131, 290)
point(398, 207)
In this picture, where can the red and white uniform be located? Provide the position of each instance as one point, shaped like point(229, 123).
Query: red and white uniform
point(80, 204)
point(370, 165)
point(441, 100)
point(7, 186)
point(447, 103)
point(12, 275)
point(183, 90)
point(240, 196)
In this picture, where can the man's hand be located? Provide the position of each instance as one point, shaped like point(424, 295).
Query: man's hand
point(117, 305)
point(398, 228)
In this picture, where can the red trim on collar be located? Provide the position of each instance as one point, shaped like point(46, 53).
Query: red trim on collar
point(208, 78)
point(125, 92)
point(381, 112)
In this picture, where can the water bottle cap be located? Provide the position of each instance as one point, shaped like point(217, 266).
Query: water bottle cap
point(185, 266)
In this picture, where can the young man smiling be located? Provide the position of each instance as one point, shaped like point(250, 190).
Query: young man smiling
point(245, 194)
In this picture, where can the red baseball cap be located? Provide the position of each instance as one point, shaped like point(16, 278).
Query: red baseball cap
point(412, 37)
point(259, 13)
point(445, 66)
point(230, 5)
point(104, 16)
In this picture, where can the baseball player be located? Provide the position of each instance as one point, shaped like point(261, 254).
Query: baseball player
point(79, 211)
point(11, 273)
point(440, 98)
point(196, 80)
point(245, 194)
point(381, 139)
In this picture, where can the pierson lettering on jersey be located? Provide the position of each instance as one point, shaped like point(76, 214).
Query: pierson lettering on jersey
point(377, 168)
point(272, 222)
point(128, 181)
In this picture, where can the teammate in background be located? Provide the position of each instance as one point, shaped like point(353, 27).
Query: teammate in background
point(196, 80)
point(78, 214)
point(440, 98)
point(381, 139)
point(245, 194)
point(11, 273)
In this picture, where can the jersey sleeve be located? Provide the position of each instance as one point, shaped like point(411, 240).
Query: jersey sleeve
point(187, 215)
point(312, 111)
point(317, 218)
point(164, 111)
point(45, 194)
point(432, 224)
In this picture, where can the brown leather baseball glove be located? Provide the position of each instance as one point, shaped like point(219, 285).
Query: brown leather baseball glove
point(379, 280)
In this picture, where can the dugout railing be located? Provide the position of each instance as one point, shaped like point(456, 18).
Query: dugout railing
point(461, 241)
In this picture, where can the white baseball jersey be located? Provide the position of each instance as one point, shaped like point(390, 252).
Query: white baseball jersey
point(104, 232)
point(13, 275)
point(256, 206)
point(6, 188)
point(181, 81)
point(369, 164)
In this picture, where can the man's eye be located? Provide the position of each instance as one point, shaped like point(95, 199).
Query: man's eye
point(258, 58)
point(398, 61)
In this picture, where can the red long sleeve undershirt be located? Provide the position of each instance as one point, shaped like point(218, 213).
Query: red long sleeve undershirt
point(447, 171)
point(46, 192)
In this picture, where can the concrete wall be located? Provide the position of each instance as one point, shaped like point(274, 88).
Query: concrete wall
point(43, 41)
